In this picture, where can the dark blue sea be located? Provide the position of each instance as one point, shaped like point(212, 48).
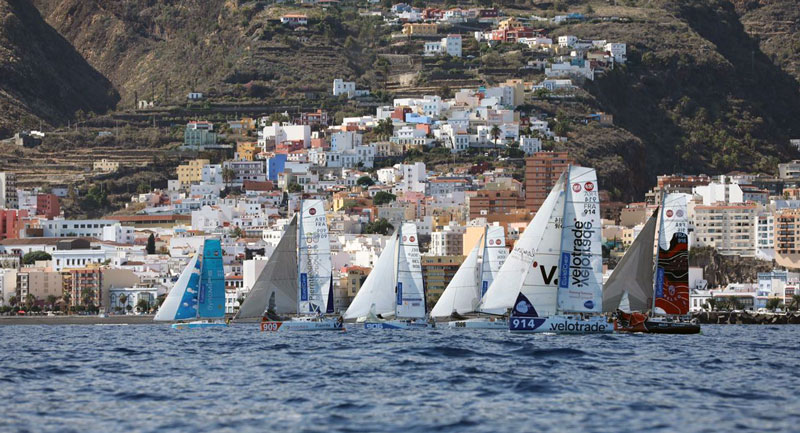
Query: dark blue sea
point(150, 378)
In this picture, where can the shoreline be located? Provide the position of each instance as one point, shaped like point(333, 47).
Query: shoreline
point(78, 320)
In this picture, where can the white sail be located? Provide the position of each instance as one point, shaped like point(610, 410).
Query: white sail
point(181, 302)
point(493, 257)
point(531, 267)
point(580, 276)
point(409, 289)
point(462, 294)
point(378, 288)
point(674, 218)
point(276, 285)
point(314, 258)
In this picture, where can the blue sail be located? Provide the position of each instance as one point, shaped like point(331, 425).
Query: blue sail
point(211, 296)
point(188, 306)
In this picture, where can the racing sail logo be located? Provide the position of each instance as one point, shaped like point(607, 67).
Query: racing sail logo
point(411, 239)
point(588, 186)
point(679, 213)
point(312, 211)
point(576, 187)
point(669, 213)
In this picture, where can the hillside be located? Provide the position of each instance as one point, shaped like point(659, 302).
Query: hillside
point(42, 77)
point(710, 85)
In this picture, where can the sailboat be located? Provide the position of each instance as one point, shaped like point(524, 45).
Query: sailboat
point(662, 288)
point(199, 293)
point(392, 296)
point(297, 280)
point(464, 292)
point(552, 280)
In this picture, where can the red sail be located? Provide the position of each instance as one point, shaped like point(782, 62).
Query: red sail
point(672, 276)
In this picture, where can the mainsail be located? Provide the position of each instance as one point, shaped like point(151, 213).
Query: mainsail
point(378, 288)
point(276, 285)
point(461, 295)
point(672, 270)
point(181, 302)
point(531, 267)
point(409, 289)
point(580, 277)
point(314, 259)
point(211, 296)
point(633, 275)
point(494, 255)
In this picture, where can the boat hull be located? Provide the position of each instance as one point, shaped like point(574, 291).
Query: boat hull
point(479, 323)
point(560, 325)
point(659, 327)
point(395, 324)
point(302, 325)
point(199, 324)
point(640, 323)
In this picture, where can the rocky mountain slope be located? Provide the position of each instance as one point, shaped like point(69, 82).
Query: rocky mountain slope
point(710, 86)
point(42, 77)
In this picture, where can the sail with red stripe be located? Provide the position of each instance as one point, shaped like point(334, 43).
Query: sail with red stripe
point(672, 269)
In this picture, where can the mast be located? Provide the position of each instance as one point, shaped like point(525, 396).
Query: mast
point(397, 290)
point(561, 242)
point(297, 255)
point(658, 251)
point(484, 255)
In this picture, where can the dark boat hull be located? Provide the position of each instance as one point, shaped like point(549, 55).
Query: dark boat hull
point(637, 322)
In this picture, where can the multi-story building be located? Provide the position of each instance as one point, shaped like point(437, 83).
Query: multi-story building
point(447, 242)
point(318, 117)
point(63, 228)
point(420, 29)
point(731, 229)
point(192, 171)
point(199, 134)
point(542, 171)
point(247, 150)
point(39, 282)
point(789, 170)
point(437, 272)
point(245, 171)
point(765, 233)
point(675, 183)
point(484, 202)
point(8, 190)
point(47, 205)
point(85, 286)
point(787, 237)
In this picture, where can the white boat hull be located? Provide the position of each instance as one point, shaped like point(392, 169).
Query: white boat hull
point(560, 324)
point(396, 324)
point(479, 323)
point(199, 324)
point(302, 325)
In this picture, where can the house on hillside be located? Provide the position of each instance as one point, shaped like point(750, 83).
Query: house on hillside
point(294, 20)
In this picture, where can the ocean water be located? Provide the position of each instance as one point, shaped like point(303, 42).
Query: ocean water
point(150, 378)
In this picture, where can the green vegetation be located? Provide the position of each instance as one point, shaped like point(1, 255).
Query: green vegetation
point(383, 197)
point(365, 181)
point(151, 244)
point(34, 256)
point(379, 226)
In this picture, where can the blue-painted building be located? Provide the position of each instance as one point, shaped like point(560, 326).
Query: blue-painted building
point(275, 166)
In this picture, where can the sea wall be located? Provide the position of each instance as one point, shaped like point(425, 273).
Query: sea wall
point(746, 318)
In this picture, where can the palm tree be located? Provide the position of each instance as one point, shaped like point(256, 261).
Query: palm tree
point(67, 298)
point(29, 300)
point(495, 132)
point(13, 301)
point(794, 304)
point(51, 300)
point(123, 299)
point(143, 306)
point(227, 176)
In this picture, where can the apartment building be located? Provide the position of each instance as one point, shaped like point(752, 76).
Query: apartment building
point(542, 171)
point(730, 228)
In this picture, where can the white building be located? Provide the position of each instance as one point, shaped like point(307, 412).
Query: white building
point(617, 50)
point(731, 229)
point(341, 87)
point(283, 133)
point(414, 177)
point(567, 69)
point(450, 45)
point(567, 41)
point(211, 173)
point(118, 233)
point(530, 145)
point(448, 242)
point(61, 228)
